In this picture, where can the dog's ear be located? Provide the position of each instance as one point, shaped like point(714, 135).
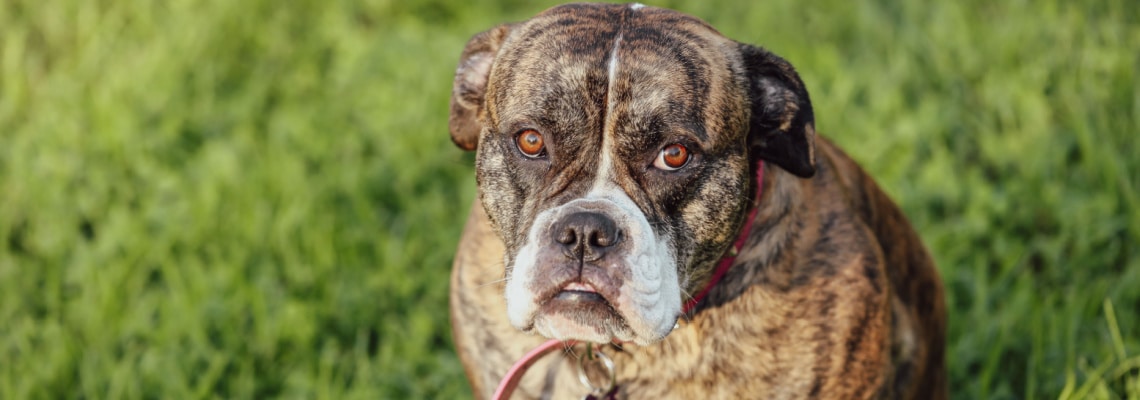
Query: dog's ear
point(467, 92)
point(782, 126)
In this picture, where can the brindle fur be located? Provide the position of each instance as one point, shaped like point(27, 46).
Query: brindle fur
point(833, 295)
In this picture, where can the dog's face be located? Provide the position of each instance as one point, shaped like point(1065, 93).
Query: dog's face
point(616, 149)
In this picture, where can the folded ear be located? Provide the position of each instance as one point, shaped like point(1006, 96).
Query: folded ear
point(782, 126)
point(470, 85)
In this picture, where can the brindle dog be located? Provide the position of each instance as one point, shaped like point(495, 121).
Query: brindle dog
point(617, 150)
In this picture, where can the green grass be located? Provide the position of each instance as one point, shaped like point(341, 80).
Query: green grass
point(251, 199)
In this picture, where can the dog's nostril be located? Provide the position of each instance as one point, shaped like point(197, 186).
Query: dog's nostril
point(601, 238)
point(567, 236)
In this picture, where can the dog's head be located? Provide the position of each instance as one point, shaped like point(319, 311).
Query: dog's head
point(616, 149)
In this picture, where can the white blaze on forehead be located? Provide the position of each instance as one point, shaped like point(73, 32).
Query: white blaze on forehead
point(606, 164)
point(636, 6)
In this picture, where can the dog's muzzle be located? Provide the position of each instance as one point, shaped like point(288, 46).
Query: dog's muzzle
point(593, 270)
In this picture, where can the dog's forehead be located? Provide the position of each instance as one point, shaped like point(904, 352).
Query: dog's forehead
point(566, 62)
point(605, 19)
point(569, 24)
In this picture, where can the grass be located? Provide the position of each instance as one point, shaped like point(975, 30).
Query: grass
point(253, 199)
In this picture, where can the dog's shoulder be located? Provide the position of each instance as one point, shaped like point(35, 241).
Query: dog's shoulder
point(918, 311)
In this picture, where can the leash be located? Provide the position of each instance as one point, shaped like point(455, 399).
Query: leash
point(514, 375)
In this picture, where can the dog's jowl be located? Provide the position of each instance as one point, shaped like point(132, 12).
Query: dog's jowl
point(654, 188)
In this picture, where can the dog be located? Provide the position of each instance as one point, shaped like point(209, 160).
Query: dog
point(621, 150)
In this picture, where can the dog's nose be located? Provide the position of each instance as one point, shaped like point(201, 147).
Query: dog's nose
point(586, 235)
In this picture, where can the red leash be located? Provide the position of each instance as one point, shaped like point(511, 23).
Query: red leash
point(514, 375)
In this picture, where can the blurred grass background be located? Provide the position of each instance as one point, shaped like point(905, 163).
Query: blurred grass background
point(252, 199)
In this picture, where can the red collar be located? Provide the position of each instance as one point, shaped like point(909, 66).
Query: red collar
point(511, 381)
point(728, 259)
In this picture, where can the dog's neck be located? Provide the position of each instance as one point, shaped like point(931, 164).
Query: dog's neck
point(772, 242)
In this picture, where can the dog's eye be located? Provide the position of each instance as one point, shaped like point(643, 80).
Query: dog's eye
point(672, 157)
point(531, 144)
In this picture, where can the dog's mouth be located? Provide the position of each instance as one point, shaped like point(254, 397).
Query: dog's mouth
point(578, 311)
point(579, 292)
point(578, 297)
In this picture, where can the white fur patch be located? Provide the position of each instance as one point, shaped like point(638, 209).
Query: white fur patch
point(521, 304)
point(606, 163)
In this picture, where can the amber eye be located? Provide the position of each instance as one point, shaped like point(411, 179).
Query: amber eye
point(531, 144)
point(672, 157)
